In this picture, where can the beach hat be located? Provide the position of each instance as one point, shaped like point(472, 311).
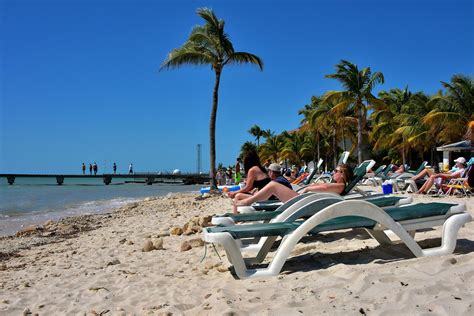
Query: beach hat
point(274, 167)
point(460, 160)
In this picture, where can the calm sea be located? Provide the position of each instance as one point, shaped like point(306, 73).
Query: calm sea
point(36, 200)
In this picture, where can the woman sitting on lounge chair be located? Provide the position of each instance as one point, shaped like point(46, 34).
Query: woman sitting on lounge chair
point(257, 177)
point(342, 176)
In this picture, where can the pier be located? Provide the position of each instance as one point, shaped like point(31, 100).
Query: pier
point(148, 178)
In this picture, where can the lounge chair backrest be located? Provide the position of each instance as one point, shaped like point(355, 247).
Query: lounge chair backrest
point(359, 172)
point(379, 170)
point(421, 167)
point(387, 170)
point(313, 173)
point(470, 162)
point(343, 158)
point(470, 176)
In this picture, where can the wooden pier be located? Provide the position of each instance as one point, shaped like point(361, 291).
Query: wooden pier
point(148, 178)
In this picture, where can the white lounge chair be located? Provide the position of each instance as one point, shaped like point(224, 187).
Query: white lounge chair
point(403, 221)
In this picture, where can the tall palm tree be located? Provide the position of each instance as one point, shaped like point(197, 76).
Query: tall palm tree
point(455, 109)
point(384, 122)
point(267, 133)
point(246, 148)
point(208, 44)
point(325, 120)
point(272, 148)
point(358, 95)
point(257, 132)
point(293, 148)
point(309, 123)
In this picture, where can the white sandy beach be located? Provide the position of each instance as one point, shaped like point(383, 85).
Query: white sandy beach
point(94, 265)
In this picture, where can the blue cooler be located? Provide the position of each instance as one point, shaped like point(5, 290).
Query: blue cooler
point(387, 188)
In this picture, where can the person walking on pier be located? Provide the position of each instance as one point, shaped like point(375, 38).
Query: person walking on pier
point(114, 167)
point(90, 169)
point(95, 168)
point(130, 168)
point(83, 169)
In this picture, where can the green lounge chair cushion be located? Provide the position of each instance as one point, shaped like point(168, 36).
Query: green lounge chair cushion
point(268, 215)
point(415, 211)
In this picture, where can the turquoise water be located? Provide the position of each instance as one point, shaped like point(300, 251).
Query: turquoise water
point(36, 200)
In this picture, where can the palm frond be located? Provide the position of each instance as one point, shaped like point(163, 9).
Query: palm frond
point(243, 58)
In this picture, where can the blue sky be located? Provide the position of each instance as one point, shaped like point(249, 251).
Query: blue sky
point(79, 80)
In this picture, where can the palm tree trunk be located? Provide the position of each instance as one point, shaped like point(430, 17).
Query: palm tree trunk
point(319, 151)
point(334, 149)
point(212, 130)
point(360, 125)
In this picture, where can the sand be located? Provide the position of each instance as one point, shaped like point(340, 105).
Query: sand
point(95, 265)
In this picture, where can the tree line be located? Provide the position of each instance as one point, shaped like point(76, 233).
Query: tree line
point(398, 125)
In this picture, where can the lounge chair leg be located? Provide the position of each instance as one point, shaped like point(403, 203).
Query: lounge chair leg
point(380, 236)
point(412, 233)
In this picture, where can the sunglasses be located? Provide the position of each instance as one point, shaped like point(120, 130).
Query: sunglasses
point(339, 170)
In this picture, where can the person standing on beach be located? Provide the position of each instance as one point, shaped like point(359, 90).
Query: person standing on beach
point(90, 169)
point(95, 168)
point(130, 168)
point(114, 167)
point(83, 169)
point(238, 176)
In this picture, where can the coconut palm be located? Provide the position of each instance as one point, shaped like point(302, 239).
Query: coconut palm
point(246, 148)
point(358, 95)
point(257, 132)
point(293, 148)
point(454, 110)
point(272, 148)
point(384, 123)
point(309, 123)
point(267, 133)
point(208, 44)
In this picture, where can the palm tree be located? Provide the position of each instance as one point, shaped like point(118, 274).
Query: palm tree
point(257, 132)
point(309, 123)
point(210, 45)
point(272, 148)
point(454, 110)
point(293, 148)
point(267, 133)
point(358, 86)
point(384, 122)
point(247, 147)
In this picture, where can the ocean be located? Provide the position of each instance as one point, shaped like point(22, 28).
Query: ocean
point(36, 200)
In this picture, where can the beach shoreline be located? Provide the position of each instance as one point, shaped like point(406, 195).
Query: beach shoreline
point(126, 262)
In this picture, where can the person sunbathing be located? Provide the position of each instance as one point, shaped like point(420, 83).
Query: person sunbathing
point(455, 172)
point(257, 177)
point(342, 176)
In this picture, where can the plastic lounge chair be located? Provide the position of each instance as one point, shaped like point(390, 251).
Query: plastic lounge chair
point(301, 210)
point(403, 221)
point(325, 177)
point(370, 178)
point(382, 176)
point(313, 172)
point(459, 186)
point(229, 219)
point(400, 183)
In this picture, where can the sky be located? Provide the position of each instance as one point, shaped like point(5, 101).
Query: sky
point(80, 80)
